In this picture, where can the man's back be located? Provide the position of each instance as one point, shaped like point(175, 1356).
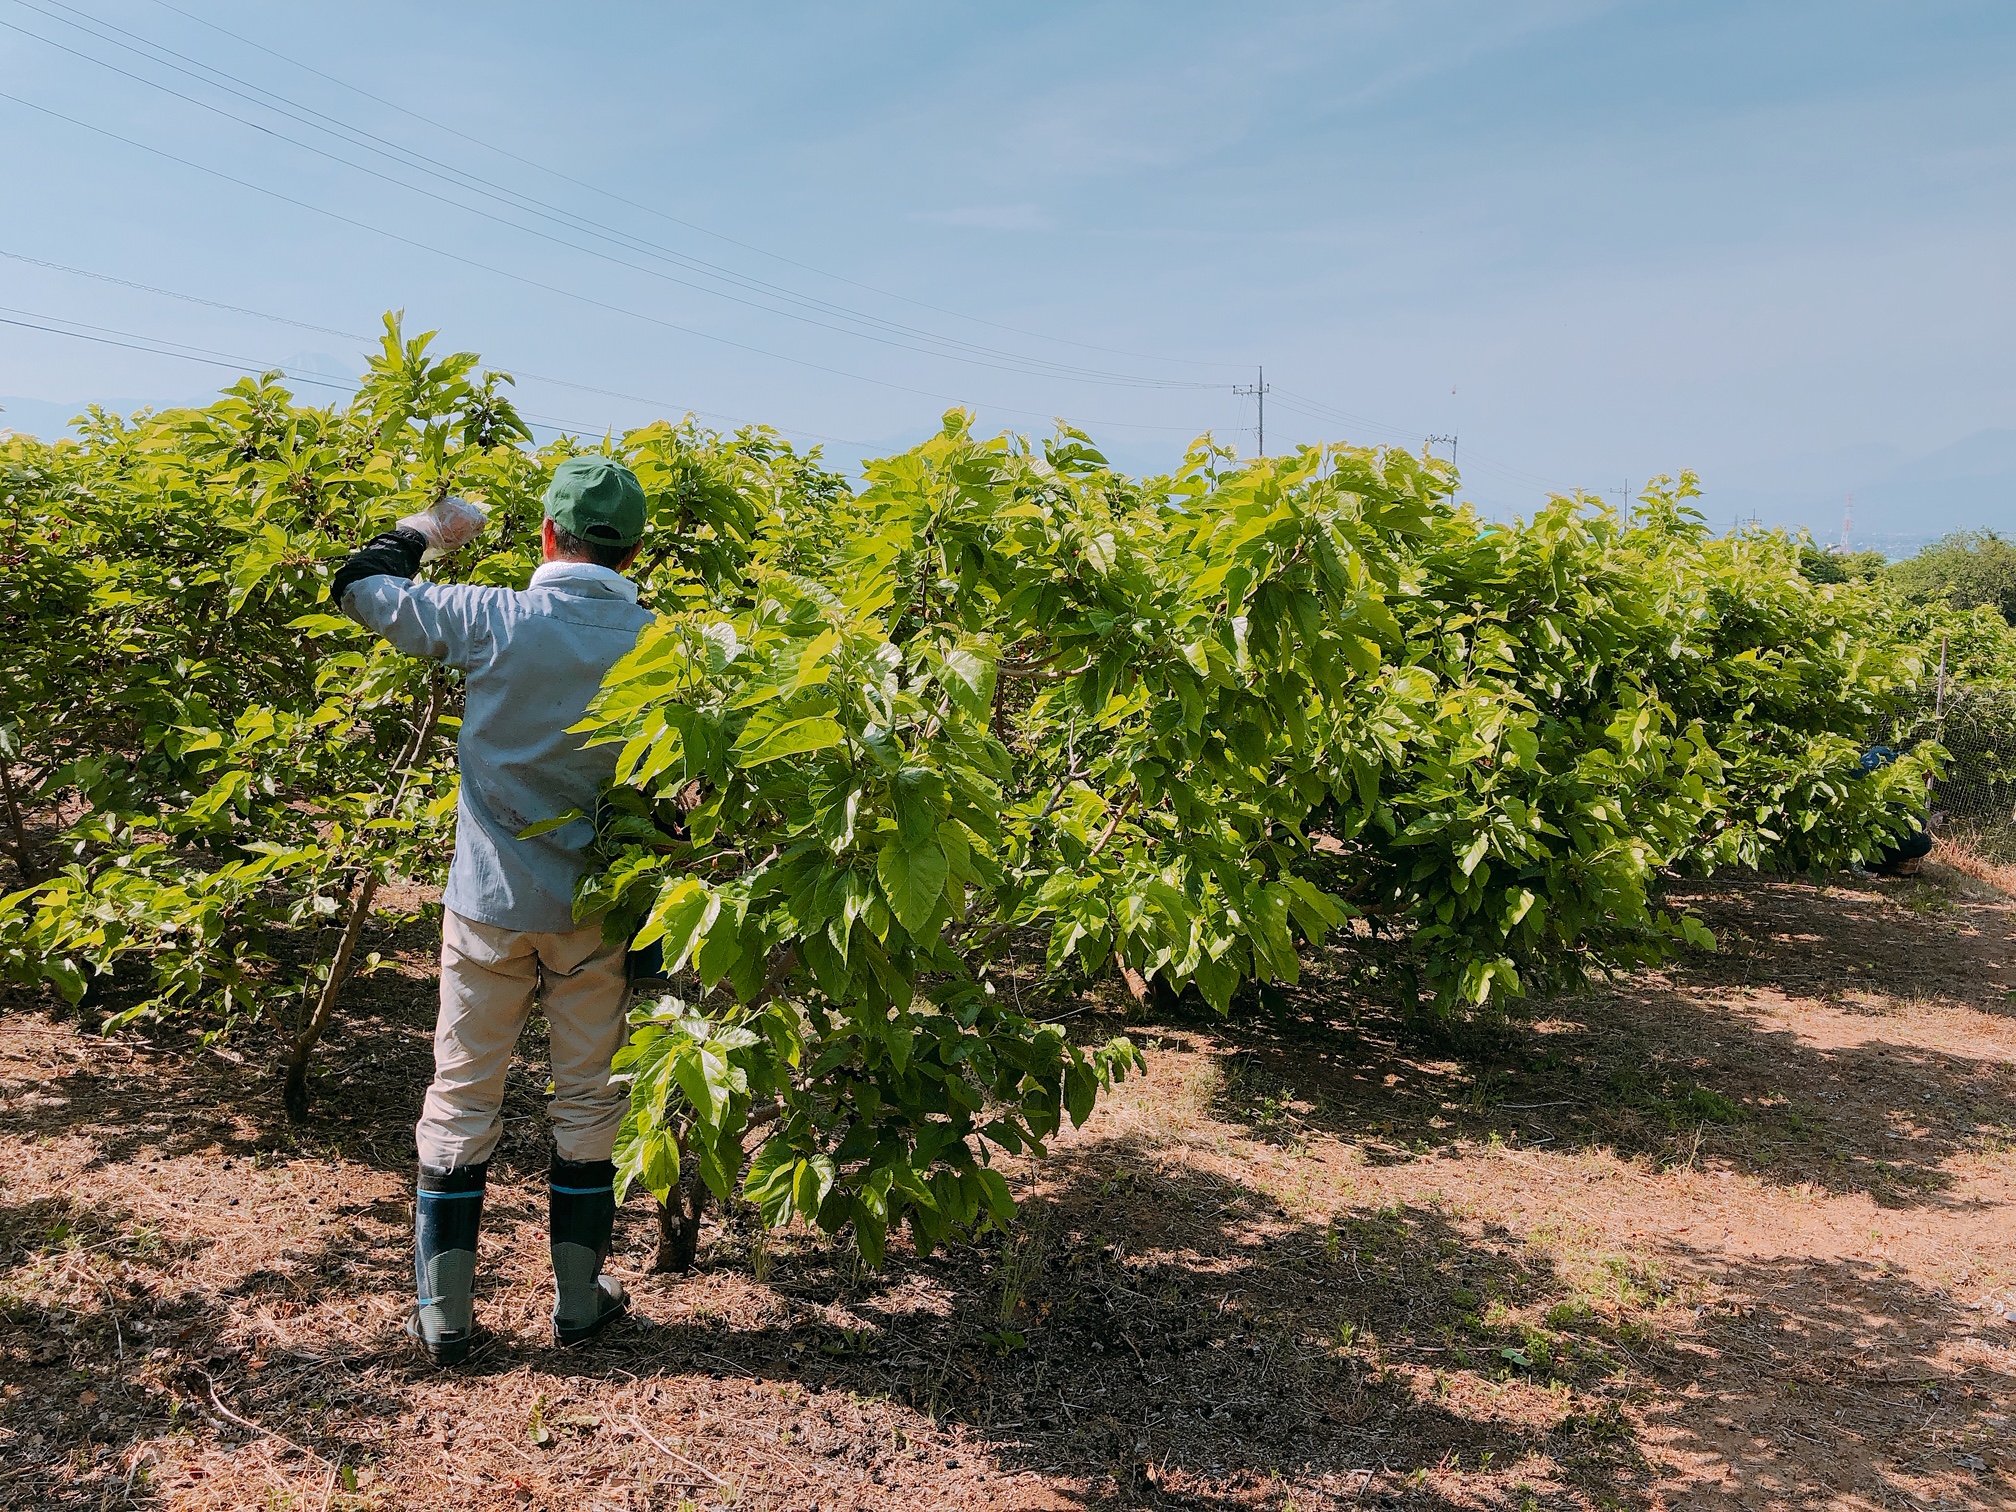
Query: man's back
point(534, 660)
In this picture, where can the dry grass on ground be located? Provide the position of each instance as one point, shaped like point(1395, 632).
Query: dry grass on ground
point(1730, 1236)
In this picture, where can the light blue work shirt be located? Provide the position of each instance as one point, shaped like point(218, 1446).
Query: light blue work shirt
point(533, 661)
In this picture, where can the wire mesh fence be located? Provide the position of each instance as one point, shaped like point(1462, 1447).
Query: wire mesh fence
point(1976, 801)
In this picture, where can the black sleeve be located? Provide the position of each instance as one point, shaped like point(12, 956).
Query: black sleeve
point(396, 553)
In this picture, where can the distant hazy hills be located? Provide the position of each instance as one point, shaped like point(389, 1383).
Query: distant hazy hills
point(43, 417)
point(1901, 502)
point(1970, 485)
point(50, 417)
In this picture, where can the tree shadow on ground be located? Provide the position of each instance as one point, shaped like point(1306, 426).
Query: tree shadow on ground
point(1670, 1068)
point(1170, 1337)
point(1809, 1379)
point(1152, 1334)
point(1939, 937)
point(156, 1090)
point(108, 1359)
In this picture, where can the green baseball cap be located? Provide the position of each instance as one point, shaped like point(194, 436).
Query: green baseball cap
point(597, 499)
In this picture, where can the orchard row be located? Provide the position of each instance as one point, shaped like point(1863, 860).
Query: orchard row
point(899, 763)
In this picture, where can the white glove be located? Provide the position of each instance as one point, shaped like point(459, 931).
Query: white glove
point(448, 526)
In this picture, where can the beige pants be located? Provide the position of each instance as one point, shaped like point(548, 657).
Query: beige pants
point(489, 979)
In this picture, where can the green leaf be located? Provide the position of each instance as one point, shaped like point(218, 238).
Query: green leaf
point(794, 737)
point(1474, 853)
point(689, 1069)
point(913, 880)
point(1081, 1091)
point(871, 1231)
point(994, 1188)
point(1314, 909)
point(659, 1168)
point(769, 1181)
point(811, 1180)
point(685, 910)
point(916, 793)
point(547, 826)
point(968, 672)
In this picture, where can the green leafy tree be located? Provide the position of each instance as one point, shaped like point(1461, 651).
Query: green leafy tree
point(1971, 569)
point(1000, 704)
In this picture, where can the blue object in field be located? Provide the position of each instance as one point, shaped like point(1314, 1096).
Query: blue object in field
point(1914, 845)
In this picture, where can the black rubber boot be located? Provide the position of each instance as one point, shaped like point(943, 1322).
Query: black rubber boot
point(582, 1218)
point(447, 1212)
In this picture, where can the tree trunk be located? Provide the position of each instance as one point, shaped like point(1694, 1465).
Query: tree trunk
point(1137, 985)
point(679, 1222)
point(679, 1216)
point(294, 1092)
point(24, 853)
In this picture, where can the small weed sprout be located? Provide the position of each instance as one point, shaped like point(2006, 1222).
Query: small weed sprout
point(1023, 1255)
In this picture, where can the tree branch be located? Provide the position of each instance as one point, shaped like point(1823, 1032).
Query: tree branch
point(24, 853)
point(1038, 671)
point(1119, 813)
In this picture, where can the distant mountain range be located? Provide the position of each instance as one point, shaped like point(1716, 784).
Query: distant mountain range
point(1900, 502)
point(44, 417)
point(49, 417)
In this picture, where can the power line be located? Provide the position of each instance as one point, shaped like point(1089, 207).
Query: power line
point(1316, 409)
point(674, 220)
point(214, 304)
point(536, 283)
point(162, 347)
point(503, 194)
point(515, 370)
point(897, 335)
point(137, 343)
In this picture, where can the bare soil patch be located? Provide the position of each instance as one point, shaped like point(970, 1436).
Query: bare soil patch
point(1734, 1235)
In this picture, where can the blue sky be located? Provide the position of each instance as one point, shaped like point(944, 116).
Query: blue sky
point(1595, 241)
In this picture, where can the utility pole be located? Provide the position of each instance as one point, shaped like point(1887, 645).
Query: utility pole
point(1258, 389)
point(1450, 442)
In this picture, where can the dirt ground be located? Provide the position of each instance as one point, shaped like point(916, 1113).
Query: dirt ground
point(1735, 1235)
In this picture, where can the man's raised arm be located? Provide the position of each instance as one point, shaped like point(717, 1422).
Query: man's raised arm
point(375, 586)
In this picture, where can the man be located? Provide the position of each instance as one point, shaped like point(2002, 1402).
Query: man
point(532, 660)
